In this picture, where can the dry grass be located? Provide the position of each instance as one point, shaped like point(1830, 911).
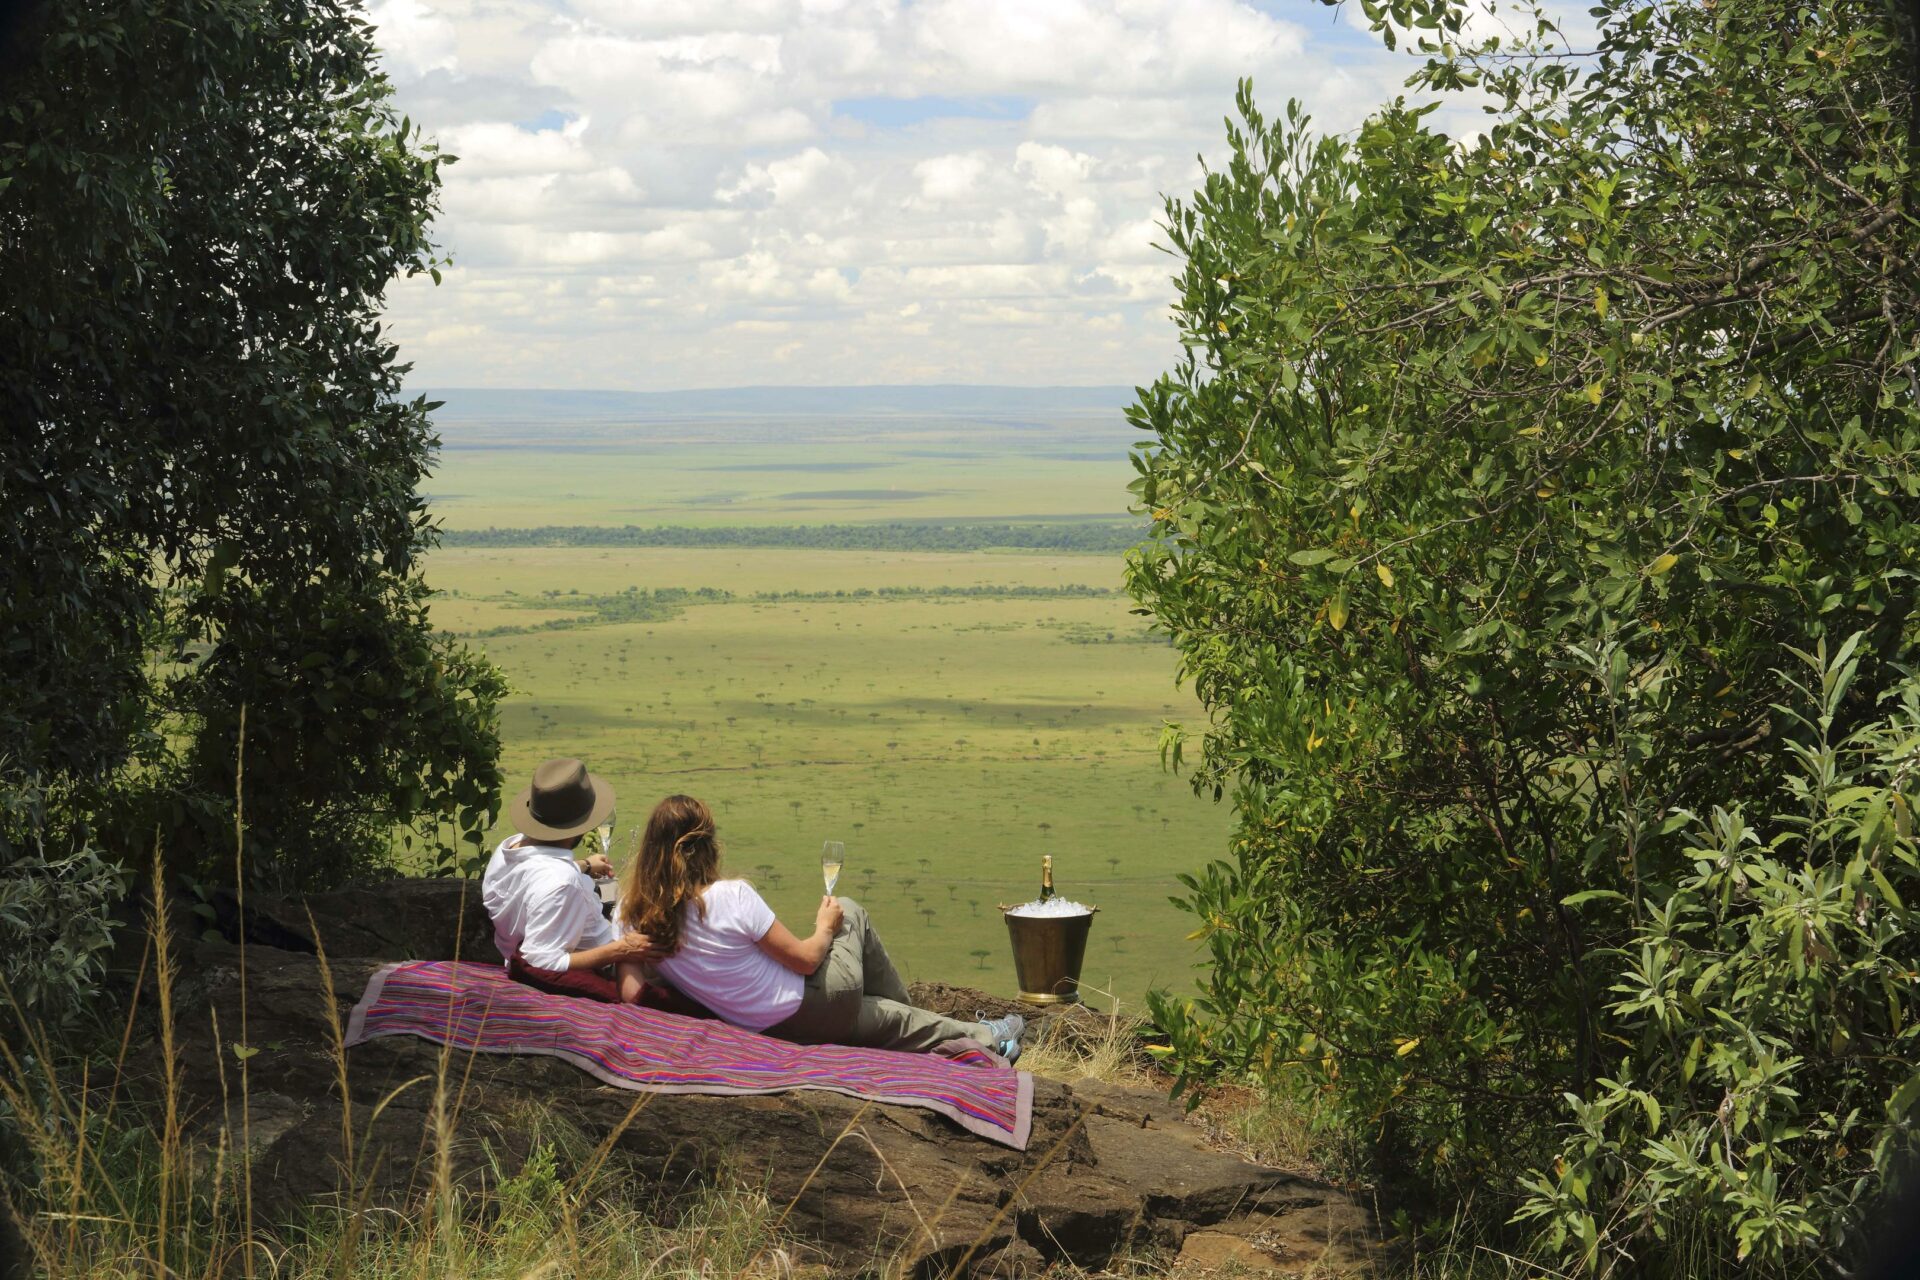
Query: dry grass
point(119, 1190)
point(1081, 1045)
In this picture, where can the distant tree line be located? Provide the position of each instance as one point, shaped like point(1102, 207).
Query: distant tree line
point(636, 605)
point(1068, 591)
point(1091, 536)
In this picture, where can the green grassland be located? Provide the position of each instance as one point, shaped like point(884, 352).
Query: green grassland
point(649, 481)
point(949, 740)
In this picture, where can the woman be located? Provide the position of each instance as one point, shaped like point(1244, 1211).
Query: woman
point(720, 943)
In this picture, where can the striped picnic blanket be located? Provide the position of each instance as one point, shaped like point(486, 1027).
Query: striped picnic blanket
point(477, 1007)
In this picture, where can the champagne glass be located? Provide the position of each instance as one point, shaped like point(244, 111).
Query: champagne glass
point(833, 853)
point(606, 837)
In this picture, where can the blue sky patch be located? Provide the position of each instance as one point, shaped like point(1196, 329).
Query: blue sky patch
point(547, 120)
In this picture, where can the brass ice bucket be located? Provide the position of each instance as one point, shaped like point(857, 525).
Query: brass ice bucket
point(1047, 954)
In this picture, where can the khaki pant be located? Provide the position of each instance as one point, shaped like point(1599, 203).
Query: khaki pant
point(856, 997)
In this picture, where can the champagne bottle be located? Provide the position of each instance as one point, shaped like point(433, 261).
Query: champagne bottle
point(1046, 876)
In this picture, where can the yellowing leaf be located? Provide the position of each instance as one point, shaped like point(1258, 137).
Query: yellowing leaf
point(1736, 454)
point(1337, 611)
point(1533, 431)
point(1383, 573)
point(1407, 1047)
point(1662, 564)
point(1600, 302)
point(1315, 741)
point(1594, 393)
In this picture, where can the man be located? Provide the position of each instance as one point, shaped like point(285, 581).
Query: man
point(546, 915)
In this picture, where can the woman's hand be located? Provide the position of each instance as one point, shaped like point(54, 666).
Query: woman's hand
point(827, 919)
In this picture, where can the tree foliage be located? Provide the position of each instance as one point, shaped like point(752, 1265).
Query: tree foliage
point(209, 474)
point(1497, 482)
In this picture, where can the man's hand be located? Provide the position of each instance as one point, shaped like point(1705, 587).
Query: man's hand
point(636, 946)
point(827, 919)
point(596, 865)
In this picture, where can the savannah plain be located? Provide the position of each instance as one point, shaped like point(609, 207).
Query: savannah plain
point(951, 715)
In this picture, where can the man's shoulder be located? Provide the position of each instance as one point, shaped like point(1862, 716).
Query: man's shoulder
point(549, 866)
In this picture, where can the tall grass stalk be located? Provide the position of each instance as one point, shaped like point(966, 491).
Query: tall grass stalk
point(245, 1049)
point(126, 1192)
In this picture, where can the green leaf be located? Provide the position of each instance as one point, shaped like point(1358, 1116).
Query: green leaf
point(1885, 886)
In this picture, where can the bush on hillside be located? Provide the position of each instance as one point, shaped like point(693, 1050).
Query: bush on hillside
point(210, 469)
point(1769, 1069)
point(1472, 445)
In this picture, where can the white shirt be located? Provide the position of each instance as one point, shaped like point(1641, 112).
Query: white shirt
point(720, 962)
point(540, 904)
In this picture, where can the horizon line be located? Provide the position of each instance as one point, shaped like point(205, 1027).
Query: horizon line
point(799, 386)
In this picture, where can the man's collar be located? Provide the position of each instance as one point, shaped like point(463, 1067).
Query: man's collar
point(527, 844)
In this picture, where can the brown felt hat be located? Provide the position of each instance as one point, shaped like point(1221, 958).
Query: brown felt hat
point(564, 801)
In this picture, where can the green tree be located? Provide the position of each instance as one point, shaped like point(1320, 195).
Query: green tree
point(211, 473)
point(1495, 483)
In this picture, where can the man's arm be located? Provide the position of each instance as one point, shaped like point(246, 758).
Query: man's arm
point(561, 919)
point(629, 946)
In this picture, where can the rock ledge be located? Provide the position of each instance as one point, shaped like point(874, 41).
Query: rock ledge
point(1110, 1172)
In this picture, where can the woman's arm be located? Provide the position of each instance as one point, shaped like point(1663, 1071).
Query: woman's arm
point(804, 955)
point(633, 980)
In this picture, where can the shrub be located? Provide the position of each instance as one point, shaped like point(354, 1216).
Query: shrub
point(56, 909)
point(1495, 481)
point(211, 466)
point(1771, 1071)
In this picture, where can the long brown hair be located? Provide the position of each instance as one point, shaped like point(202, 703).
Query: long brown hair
point(679, 857)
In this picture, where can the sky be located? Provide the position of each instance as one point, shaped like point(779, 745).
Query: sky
point(665, 194)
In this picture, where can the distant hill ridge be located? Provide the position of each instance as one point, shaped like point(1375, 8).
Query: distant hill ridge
point(1101, 536)
point(495, 404)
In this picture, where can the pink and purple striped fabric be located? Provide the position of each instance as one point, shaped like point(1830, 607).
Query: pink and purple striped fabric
point(477, 1007)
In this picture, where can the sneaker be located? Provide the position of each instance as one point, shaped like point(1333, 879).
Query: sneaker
point(1006, 1027)
point(1009, 1049)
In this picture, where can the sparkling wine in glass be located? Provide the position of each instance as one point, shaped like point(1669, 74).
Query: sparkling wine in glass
point(833, 854)
point(606, 836)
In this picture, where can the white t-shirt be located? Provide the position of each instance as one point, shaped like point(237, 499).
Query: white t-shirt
point(540, 904)
point(720, 962)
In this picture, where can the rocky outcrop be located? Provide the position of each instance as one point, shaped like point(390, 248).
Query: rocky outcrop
point(1109, 1171)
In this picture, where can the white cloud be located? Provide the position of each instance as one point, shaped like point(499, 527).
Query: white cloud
point(657, 193)
point(946, 179)
point(414, 39)
point(779, 181)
